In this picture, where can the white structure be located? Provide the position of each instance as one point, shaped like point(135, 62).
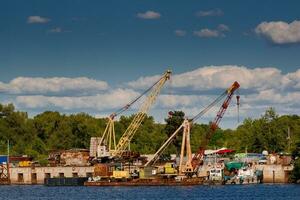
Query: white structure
point(36, 175)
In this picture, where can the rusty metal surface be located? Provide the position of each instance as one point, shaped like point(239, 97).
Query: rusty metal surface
point(4, 176)
point(72, 157)
point(149, 182)
point(103, 170)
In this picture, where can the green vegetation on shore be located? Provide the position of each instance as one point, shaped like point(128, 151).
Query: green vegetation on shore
point(54, 131)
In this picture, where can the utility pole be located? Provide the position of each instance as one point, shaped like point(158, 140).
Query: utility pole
point(289, 139)
point(8, 173)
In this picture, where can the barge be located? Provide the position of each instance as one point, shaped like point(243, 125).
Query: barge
point(148, 182)
point(65, 181)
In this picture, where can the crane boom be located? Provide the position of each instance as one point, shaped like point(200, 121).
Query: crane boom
point(139, 117)
point(163, 147)
point(108, 138)
point(198, 156)
point(184, 124)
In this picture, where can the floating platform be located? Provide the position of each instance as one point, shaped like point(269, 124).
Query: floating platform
point(4, 182)
point(147, 182)
point(77, 181)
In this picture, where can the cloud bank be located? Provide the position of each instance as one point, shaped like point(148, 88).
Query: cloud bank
point(25, 85)
point(261, 87)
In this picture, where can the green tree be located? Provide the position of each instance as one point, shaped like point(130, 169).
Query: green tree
point(173, 122)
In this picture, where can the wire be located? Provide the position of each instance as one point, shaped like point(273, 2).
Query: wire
point(209, 106)
point(127, 106)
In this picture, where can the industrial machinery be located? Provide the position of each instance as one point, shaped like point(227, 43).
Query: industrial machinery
point(192, 164)
point(140, 116)
point(107, 145)
point(197, 160)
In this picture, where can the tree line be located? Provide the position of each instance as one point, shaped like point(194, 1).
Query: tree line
point(55, 131)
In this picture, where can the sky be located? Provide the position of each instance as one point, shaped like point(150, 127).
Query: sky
point(95, 56)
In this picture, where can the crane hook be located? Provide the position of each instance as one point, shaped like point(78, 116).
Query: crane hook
point(238, 106)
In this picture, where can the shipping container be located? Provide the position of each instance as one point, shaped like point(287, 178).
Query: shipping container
point(120, 174)
point(3, 159)
point(25, 164)
point(103, 170)
point(148, 172)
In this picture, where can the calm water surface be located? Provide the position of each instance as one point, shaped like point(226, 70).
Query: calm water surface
point(234, 192)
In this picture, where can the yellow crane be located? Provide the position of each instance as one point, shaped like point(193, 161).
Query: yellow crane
point(107, 143)
point(141, 114)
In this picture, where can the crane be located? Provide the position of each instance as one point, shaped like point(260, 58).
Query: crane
point(154, 91)
point(109, 135)
point(197, 160)
point(190, 165)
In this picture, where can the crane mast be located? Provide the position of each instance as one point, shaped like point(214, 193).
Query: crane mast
point(140, 116)
point(109, 134)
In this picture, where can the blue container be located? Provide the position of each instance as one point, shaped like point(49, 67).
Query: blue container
point(3, 159)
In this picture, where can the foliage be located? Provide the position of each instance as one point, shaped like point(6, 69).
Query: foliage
point(173, 122)
point(295, 175)
point(52, 130)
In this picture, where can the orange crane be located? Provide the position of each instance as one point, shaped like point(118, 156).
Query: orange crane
point(192, 163)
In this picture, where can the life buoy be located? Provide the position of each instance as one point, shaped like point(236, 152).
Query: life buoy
point(73, 168)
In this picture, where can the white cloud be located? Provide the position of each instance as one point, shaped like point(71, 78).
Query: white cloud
point(149, 15)
point(180, 33)
point(23, 85)
point(274, 96)
point(190, 91)
point(279, 32)
point(261, 88)
point(56, 30)
point(172, 101)
point(143, 82)
point(209, 13)
point(212, 33)
point(294, 79)
point(211, 77)
point(111, 100)
point(37, 20)
point(223, 27)
point(207, 33)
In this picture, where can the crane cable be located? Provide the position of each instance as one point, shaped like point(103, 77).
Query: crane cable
point(170, 139)
point(127, 106)
point(209, 107)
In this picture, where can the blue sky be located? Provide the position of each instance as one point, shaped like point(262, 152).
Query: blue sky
point(117, 42)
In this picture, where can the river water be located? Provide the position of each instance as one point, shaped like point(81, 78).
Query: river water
point(235, 192)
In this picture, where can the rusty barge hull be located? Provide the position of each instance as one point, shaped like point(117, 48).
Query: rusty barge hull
point(148, 182)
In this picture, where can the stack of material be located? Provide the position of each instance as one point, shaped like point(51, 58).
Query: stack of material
point(93, 146)
point(75, 157)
